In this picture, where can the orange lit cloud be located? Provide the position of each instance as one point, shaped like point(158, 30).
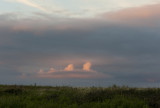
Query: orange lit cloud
point(52, 70)
point(70, 67)
point(87, 66)
point(41, 71)
point(70, 72)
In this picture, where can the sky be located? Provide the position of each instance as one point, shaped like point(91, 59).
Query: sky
point(80, 43)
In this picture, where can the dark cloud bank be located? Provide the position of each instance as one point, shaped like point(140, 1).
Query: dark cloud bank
point(128, 50)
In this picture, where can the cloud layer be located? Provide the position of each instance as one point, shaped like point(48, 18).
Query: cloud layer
point(123, 44)
point(144, 12)
point(78, 8)
point(32, 4)
point(70, 72)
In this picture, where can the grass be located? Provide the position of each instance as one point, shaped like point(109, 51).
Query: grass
point(69, 97)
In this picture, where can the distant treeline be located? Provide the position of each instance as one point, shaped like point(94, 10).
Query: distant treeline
point(14, 96)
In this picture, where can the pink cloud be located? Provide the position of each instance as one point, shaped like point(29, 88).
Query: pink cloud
point(70, 67)
point(40, 26)
point(70, 72)
point(87, 66)
point(52, 70)
point(73, 74)
point(144, 12)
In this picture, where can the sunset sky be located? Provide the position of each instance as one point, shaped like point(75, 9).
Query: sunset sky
point(80, 42)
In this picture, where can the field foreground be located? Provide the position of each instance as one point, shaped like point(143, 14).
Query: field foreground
point(68, 97)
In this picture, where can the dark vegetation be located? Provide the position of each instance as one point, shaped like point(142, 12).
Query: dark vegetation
point(69, 97)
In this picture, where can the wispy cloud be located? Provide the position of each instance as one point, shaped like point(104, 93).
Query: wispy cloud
point(48, 7)
point(134, 16)
point(84, 8)
point(32, 4)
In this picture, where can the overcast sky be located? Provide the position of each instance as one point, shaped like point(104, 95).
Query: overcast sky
point(80, 42)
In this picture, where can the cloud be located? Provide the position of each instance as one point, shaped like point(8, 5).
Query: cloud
point(41, 22)
point(52, 70)
point(48, 7)
point(70, 72)
point(32, 4)
point(87, 66)
point(70, 67)
point(41, 71)
point(84, 8)
point(73, 74)
point(123, 52)
point(135, 14)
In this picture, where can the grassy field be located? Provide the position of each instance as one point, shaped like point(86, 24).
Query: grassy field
point(68, 97)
